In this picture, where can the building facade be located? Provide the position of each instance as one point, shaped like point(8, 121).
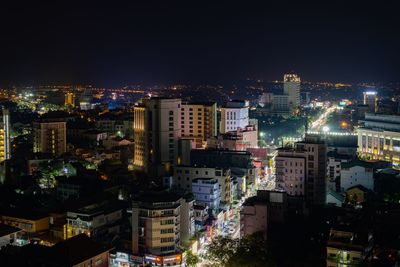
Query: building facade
point(157, 129)
point(371, 100)
point(379, 138)
point(185, 175)
point(50, 137)
point(304, 165)
point(234, 115)
point(5, 152)
point(199, 121)
point(207, 192)
point(159, 221)
point(291, 88)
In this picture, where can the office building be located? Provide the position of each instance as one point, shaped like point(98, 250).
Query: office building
point(157, 129)
point(49, 136)
point(291, 88)
point(5, 152)
point(371, 100)
point(234, 115)
point(199, 121)
point(301, 170)
point(379, 138)
point(161, 222)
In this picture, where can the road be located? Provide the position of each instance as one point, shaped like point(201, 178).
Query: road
point(316, 126)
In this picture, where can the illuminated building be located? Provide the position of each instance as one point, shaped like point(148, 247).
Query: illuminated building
point(371, 100)
point(26, 221)
point(379, 138)
point(5, 136)
point(49, 136)
point(199, 121)
point(185, 175)
point(301, 170)
point(94, 220)
point(207, 192)
point(157, 129)
point(70, 99)
point(234, 115)
point(161, 222)
point(241, 139)
point(291, 88)
point(349, 245)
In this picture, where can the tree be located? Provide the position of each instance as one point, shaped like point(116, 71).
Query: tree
point(191, 259)
point(249, 251)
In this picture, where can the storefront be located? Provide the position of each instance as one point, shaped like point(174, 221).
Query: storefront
point(121, 259)
point(166, 260)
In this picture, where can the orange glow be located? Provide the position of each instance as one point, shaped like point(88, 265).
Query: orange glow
point(158, 259)
point(344, 124)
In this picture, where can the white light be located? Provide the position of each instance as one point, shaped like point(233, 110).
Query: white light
point(325, 129)
point(370, 93)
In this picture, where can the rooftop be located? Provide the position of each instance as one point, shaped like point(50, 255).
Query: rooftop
point(7, 230)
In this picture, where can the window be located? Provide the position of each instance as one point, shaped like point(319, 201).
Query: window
point(167, 239)
point(165, 222)
point(167, 231)
point(171, 112)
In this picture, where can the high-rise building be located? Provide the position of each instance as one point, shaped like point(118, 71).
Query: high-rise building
point(199, 121)
point(49, 136)
point(157, 129)
point(70, 99)
point(301, 170)
point(291, 87)
point(161, 222)
point(371, 100)
point(5, 135)
point(234, 116)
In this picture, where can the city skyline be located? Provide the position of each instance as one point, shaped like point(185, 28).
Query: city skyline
point(128, 43)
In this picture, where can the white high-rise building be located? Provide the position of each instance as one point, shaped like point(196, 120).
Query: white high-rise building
point(234, 116)
point(157, 129)
point(291, 87)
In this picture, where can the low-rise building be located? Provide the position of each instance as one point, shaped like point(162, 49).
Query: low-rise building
point(184, 176)
point(27, 221)
point(207, 192)
point(349, 246)
point(8, 235)
point(95, 219)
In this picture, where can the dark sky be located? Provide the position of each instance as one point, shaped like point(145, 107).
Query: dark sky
point(118, 43)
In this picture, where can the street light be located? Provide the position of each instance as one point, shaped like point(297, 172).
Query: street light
point(325, 129)
point(262, 134)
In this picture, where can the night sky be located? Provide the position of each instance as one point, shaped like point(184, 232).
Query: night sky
point(147, 41)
